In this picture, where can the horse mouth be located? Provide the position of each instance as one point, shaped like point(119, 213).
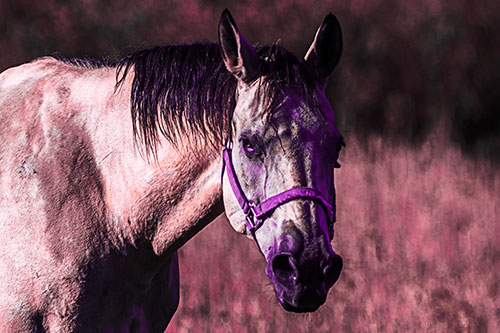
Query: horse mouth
point(299, 309)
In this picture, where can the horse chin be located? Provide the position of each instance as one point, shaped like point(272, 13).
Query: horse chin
point(290, 308)
point(300, 301)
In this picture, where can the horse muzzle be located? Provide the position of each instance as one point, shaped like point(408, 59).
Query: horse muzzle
point(301, 285)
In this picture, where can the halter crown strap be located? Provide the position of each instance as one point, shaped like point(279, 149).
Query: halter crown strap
point(255, 213)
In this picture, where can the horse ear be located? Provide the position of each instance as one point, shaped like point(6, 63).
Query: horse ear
point(238, 54)
point(324, 53)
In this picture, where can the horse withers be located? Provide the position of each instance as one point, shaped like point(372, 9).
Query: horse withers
point(106, 169)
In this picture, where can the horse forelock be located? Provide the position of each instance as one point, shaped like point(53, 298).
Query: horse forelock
point(285, 74)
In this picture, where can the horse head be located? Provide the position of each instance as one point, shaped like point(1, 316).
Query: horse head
point(281, 150)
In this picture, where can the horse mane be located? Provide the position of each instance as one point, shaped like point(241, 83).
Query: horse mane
point(85, 62)
point(185, 91)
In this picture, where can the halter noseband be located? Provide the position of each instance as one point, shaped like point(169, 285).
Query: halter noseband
point(255, 213)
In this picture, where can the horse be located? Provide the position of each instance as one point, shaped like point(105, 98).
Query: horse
point(108, 168)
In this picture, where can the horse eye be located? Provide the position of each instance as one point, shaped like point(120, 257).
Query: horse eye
point(247, 146)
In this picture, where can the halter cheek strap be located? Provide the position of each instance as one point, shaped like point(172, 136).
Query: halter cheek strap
point(256, 213)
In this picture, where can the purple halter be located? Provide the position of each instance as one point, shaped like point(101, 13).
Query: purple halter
point(255, 213)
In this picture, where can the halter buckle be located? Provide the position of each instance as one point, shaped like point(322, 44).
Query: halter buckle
point(251, 217)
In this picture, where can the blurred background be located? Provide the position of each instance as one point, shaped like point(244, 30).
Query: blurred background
point(417, 96)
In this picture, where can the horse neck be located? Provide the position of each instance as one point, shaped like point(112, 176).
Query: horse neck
point(186, 198)
point(161, 202)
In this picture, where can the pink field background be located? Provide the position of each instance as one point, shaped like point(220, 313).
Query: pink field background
point(417, 97)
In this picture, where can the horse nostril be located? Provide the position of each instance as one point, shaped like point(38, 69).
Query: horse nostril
point(332, 270)
point(284, 269)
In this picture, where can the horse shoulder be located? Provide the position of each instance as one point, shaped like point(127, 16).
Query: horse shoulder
point(53, 212)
